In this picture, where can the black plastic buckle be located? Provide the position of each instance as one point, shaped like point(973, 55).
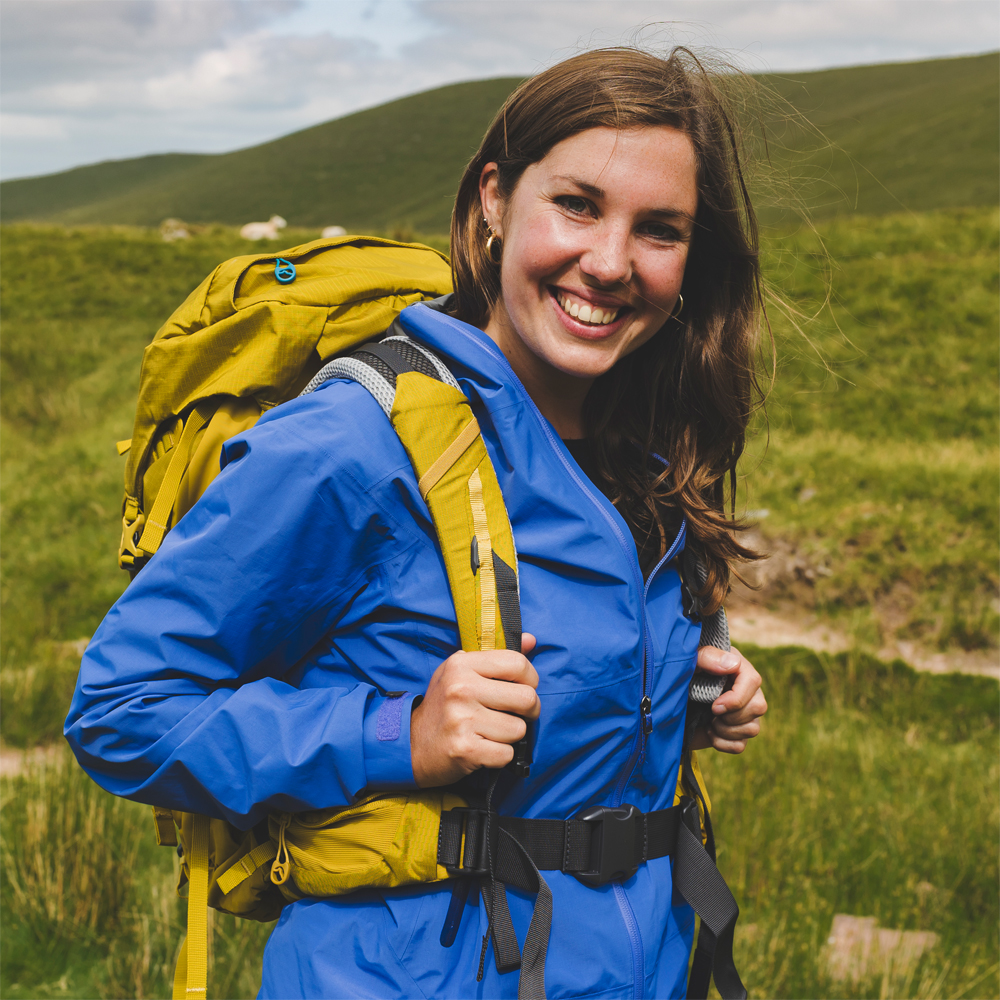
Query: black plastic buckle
point(473, 859)
point(612, 844)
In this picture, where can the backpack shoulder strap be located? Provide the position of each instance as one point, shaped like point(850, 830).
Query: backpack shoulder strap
point(455, 476)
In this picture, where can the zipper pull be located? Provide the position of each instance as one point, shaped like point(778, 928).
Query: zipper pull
point(646, 710)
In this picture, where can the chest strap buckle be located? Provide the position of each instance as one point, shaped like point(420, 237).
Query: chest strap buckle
point(617, 843)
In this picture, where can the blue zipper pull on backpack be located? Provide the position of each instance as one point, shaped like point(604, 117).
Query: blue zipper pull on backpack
point(284, 271)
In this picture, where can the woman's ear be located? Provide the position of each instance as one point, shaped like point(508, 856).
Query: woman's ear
point(489, 198)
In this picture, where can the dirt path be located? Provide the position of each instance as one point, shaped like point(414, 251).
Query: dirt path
point(761, 626)
point(775, 610)
point(13, 760)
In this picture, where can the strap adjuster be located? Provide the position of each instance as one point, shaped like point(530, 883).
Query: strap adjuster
point(462, 842)
point(617, 843)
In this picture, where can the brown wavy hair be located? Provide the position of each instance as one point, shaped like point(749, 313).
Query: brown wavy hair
point(688, 393)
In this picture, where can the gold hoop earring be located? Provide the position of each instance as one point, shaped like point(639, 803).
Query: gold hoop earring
point(678, 309)
point(493, 238)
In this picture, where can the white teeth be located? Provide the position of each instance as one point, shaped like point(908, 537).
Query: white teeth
point(594, 316)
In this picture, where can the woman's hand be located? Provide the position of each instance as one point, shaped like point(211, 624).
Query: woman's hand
point(469, 716)
point(737, 710)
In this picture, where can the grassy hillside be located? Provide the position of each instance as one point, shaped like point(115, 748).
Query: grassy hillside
point(913, 135)
point(395, 164)
point(38, 198)
point(903, 135)
point(880, 468)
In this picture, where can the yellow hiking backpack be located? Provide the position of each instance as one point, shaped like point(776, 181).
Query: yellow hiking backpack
point(258, 331)
point(255, 333)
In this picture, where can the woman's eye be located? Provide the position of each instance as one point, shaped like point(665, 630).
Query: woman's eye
point(574, 204)
point(661, 231)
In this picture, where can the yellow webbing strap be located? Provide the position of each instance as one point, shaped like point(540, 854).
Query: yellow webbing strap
point(246, 866)
point(191, 973)
point(487, 579)
point(433, 420)
point(158, 519)
point(448, 457)
point(180, 973)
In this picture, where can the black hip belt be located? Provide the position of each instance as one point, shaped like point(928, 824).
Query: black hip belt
point(599, 845)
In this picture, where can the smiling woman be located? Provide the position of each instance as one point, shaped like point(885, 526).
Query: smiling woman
point(296, 655)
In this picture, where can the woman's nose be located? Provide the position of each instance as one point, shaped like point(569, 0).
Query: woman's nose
point(608, 259)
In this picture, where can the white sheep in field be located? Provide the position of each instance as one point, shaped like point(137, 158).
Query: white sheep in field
point(263, 230)
point(330, 231)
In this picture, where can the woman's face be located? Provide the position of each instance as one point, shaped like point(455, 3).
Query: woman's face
point(594, 239)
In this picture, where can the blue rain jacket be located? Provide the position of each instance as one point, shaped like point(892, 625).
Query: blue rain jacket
point(246, 669)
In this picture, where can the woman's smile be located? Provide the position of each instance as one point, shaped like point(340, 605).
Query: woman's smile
point(580, 310)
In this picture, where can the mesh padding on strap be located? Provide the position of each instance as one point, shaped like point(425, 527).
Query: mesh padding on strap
point(364, 373)
point(412, 355)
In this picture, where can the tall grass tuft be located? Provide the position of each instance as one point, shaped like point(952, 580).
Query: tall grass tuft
point(69, 856)
point(89, 901)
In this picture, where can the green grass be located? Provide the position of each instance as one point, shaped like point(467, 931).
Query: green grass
point(872, 792)
point(902, 135)
point(96, 911)
point(881, 461)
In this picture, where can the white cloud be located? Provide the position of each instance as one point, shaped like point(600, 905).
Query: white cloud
point(84, 80)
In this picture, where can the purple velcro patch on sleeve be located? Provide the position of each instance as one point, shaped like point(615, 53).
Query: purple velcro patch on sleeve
point(390, 715)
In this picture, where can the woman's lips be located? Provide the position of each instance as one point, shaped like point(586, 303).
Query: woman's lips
point(611, 320)
point(585, 312)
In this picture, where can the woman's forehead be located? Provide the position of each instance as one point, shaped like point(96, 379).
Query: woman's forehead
point(607, 163)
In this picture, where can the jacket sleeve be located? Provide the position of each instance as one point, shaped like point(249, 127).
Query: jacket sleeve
point(181, 699)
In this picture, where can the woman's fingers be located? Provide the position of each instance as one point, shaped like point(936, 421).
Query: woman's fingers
point(728, 746)
point(737, 710)
point(746, 731)
point(474, 709)
point(754, 709)
point(718, 661)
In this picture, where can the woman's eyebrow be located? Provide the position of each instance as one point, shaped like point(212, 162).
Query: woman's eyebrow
point(591, 189)
point(597, 192)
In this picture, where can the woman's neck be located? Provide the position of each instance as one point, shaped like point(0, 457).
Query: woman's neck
point(557, 395)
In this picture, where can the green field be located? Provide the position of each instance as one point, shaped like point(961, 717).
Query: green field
point(898, 136)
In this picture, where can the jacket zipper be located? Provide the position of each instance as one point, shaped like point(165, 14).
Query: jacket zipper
point(645, 707)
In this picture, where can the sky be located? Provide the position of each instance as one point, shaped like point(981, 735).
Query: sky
point(83, 81)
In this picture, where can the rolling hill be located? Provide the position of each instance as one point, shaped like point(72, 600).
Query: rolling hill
point(903, 135)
